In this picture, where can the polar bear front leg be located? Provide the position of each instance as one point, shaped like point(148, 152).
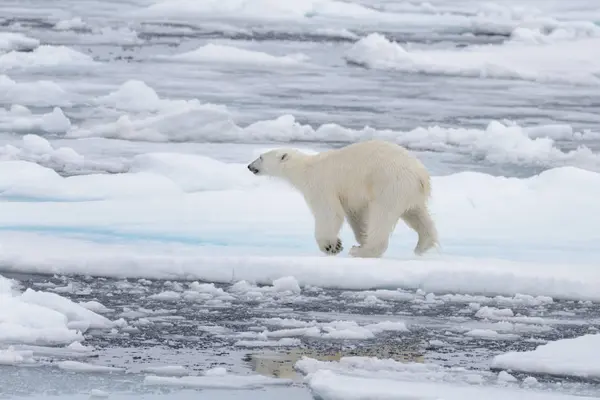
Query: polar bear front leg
point(329, 218)
point(327, 227)
point(380, 224)
point(356, 220)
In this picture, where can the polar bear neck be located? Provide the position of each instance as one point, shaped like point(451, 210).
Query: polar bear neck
point(299, 169)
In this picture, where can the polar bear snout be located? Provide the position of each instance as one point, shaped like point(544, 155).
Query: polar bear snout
point(253, 169)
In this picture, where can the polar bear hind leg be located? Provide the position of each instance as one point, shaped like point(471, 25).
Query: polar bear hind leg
point(420, 221)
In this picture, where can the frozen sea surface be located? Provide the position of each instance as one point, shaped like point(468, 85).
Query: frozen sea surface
point(138, 257)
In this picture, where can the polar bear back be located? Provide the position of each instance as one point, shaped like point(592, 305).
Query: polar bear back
point(360, 172)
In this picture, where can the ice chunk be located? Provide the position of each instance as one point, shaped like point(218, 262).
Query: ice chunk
point(41, 93)
point(77, 366)
point(16, 41)
point(569, 357)
point(510, 61)
point(215, 53)
point(329, 385)
point(45, 56)
point(218, 381)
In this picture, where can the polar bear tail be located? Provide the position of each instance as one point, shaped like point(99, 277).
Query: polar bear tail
point(425, 183)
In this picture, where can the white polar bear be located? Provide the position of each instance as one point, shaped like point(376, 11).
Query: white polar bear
point(372, 183)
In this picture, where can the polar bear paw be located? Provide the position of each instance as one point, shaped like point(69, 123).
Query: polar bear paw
point(366, 252)
point(331, 247)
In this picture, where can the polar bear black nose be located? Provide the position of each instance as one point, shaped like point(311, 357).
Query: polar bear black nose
point(252, 169)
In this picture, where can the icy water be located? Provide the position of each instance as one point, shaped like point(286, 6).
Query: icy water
point(202, 326)
point(127, 211)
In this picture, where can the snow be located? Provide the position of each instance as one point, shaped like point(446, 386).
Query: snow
point(63, 206)
point(569, 357)
point(516, 60)
point(459, 275)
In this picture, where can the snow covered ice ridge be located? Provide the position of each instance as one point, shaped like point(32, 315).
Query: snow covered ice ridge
point(182, 186)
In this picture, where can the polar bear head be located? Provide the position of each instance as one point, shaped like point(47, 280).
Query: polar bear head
point(276, 163)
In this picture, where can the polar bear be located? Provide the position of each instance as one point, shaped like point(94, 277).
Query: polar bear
point(372, 184)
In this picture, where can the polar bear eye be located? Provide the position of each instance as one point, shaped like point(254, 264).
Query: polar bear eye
point(284, 157)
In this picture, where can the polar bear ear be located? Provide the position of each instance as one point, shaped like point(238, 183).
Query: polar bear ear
point(284, 156)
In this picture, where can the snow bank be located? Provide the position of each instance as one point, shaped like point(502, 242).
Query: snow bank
point(36, 317)
point(84, 187)
point(45, 56)
point(16, 41)
point(221, 54)
point(36, 93)
point(576, 357)
point(194, 173)
point(562, 62)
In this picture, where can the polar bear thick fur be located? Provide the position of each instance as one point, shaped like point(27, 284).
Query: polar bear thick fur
point(372, 184)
